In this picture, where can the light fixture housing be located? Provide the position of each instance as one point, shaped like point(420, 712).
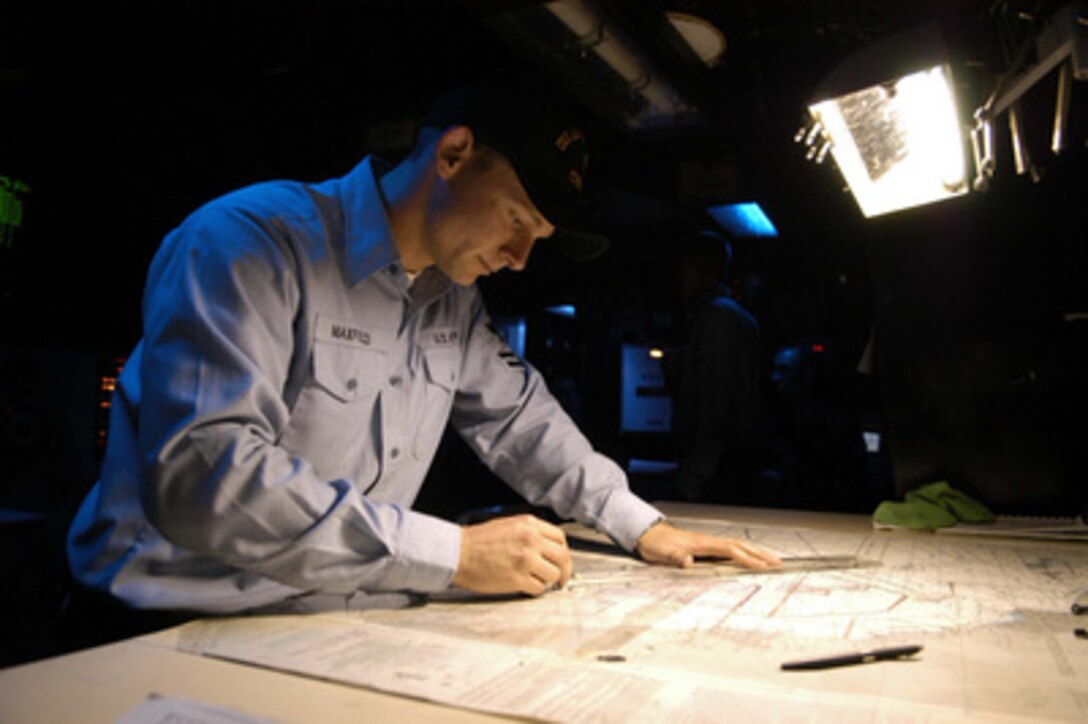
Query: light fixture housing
point(895, 131)
point(1060, 43)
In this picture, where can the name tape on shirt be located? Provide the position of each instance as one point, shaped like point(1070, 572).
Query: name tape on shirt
point(440, 337)
point(346, 333)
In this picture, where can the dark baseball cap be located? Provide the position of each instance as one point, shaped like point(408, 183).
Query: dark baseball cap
point(549, 153)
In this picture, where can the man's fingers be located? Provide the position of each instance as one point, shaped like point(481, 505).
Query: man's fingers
point(770, 559)
point(545, 572)
point(749, 555)
point(558, 554)
point(554, 564)
point(517, 554)
point(742, 552)
point(552, 532)
point(553, 549)
point(747, 558)
point(543, 578)
point(753, 556)
point(674, 546)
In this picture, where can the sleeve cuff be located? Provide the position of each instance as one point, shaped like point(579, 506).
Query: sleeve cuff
point(426, 557)
point(626, 517)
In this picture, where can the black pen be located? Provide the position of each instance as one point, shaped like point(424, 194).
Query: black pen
point(861, 657)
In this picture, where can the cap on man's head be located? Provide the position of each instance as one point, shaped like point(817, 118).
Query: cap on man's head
point(548, 153)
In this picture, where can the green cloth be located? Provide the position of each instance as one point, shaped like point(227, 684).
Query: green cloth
point(965, 508)
point(937, 505)
point(916, 514)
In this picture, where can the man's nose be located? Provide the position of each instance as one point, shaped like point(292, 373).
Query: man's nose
point(516, 253)
point(543, 229)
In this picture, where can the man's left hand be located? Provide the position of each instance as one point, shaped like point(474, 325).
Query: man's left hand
point(663, 543)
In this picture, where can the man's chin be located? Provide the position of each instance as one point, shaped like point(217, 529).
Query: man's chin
point(465, 279)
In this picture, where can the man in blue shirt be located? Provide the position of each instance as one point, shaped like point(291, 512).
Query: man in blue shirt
point(304, 347)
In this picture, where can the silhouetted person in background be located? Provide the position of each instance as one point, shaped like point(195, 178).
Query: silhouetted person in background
point(815, 435)
point(716, 380)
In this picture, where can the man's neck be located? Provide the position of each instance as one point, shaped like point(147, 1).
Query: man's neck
point(404, 194)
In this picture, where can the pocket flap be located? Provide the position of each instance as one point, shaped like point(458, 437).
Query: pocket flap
point(348, 373)
point(441, 365)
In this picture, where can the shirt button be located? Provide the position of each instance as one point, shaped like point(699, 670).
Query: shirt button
point(396, 381)
point(394, 453)
point(352, 384)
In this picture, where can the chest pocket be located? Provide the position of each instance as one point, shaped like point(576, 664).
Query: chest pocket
point(348, 373)
point(440, 367)
point(332, 419)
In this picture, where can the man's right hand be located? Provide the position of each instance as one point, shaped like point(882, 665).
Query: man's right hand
point(519, 554)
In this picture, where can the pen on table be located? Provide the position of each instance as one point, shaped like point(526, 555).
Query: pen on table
point(860, 657)
point(1080, 603)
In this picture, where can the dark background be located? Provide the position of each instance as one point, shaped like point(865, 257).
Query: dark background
point(123, 117)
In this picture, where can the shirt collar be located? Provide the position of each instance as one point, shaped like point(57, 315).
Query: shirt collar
point(430, 284)
point(368, 238)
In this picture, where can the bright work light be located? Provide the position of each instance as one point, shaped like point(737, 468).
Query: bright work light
point(898, 144)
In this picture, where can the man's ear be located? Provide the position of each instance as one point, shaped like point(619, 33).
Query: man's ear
point(455, 146)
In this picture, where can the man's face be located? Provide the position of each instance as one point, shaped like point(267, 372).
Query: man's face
point(786, 369)
point(482, 221)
